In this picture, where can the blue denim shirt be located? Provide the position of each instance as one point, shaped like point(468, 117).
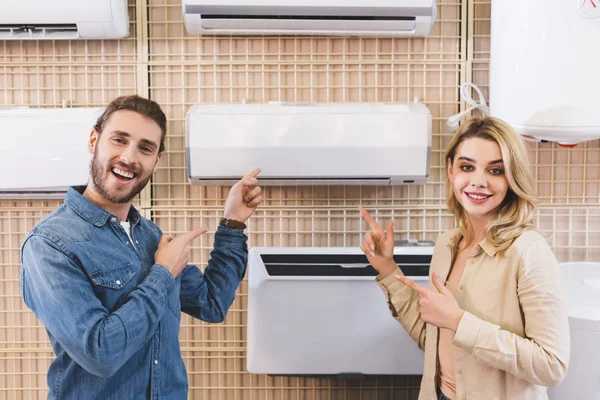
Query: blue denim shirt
point(111, 313)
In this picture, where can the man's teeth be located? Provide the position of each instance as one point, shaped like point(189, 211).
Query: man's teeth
point(476, 196)
point(123, 173)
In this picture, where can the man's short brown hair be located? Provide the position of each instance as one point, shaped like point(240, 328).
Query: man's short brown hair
point(140, 105)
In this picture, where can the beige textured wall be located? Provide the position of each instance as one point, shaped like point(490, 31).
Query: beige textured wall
point(161, 61)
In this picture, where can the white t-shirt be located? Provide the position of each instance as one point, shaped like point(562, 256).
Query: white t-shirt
point(127, 227)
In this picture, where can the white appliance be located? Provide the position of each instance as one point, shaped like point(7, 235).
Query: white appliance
point(319, 311)
point(44, 151)
point(63, 19)
point(310, 17)
point(582, 292)
point(544, 65)
point(350, 143)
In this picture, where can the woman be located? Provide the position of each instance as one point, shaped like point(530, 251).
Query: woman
point(493, 324)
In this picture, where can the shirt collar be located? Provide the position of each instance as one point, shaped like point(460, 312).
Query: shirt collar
point(484, 245)
point(91, 212)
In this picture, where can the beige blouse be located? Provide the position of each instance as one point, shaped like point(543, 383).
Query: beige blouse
point(513, 340)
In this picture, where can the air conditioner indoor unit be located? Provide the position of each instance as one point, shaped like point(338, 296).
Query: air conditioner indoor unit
point(300, 144)
point(44, 150)
point(63, 19)
point(388, 18)
point(319, 311)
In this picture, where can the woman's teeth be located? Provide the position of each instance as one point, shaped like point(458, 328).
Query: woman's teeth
point(476, 196)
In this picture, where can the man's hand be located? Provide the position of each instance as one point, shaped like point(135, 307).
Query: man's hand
point(243, 198)
point(378, 246)
point(174, 253)
point(438, 308)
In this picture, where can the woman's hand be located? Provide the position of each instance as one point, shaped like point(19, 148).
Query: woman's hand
point(378, 246)
point(438, 307)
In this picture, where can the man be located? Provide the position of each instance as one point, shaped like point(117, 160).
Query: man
point(109, 286)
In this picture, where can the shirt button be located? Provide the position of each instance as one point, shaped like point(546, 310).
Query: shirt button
point(127, 242)
point(136, 242)
point(118, 282)
point(113, 219)
point(156, 362)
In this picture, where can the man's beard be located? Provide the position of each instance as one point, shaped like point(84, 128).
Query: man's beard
point(100, 182)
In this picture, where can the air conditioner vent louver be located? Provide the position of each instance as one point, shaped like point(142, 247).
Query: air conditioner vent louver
point(311, 17)
point(46, 31)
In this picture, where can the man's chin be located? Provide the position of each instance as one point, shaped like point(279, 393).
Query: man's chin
point(120, 196)
point(120, 199)
point(122, 192)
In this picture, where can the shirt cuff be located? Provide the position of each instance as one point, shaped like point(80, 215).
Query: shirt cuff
point(161, 276)
point(467, 331)
point(390, 284)
point(230, 238)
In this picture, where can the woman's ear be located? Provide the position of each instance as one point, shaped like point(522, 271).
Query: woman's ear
point(449, 166)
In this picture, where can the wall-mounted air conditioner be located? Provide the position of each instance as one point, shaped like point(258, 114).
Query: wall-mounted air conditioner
point(389, 18)
point(63, 19)
point(329, 144)
point(319, 311)
point(44, 151)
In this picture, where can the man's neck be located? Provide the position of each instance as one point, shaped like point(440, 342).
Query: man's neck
point(121, 210)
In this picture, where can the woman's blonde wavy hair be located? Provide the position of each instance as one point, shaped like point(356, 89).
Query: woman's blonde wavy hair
point(515, 213)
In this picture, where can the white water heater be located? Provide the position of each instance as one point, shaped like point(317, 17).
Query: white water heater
point(545, 68)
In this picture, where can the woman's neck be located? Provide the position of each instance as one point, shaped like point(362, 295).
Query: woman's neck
point(477, 230)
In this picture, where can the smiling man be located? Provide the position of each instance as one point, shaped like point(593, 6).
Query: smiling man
point(109, 286)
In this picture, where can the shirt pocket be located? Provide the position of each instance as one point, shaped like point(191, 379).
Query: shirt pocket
point(112, 285)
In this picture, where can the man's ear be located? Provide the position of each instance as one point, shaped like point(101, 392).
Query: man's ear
point(156, 164)
point(92, 141)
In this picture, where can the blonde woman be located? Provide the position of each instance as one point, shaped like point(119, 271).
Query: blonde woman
point(493, 324)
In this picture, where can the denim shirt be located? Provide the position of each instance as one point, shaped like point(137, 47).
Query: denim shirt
point(111, 313)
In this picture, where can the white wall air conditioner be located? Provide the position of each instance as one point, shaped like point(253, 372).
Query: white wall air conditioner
point(329, 144)
point(319, 311)
point(44, 151)
point(63, 19)
point(400, 18)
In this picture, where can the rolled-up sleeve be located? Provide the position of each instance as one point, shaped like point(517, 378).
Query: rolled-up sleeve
point(208, 296)
point(404, 306)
